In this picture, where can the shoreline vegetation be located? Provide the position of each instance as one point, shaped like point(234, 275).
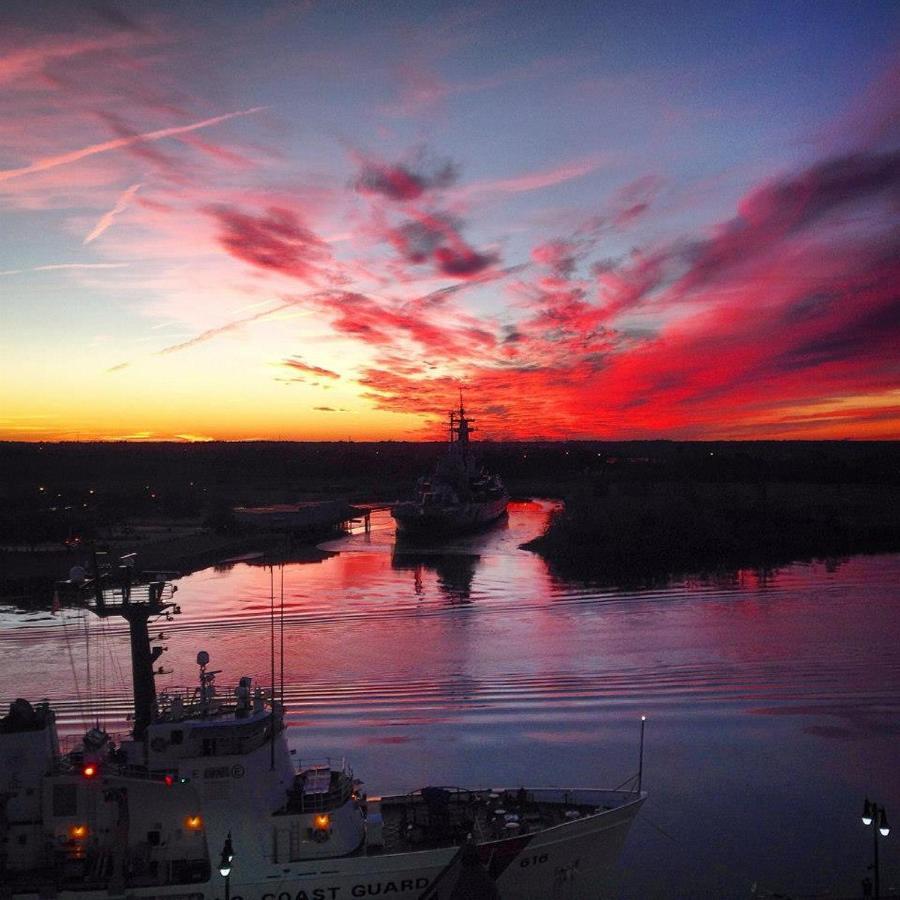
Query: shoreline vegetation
point(635, 511)
point(644, 535)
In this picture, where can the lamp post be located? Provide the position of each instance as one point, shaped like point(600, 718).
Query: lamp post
point(225, 865)
point(875, 815)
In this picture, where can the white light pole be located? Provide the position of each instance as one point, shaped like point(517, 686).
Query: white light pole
point(225, 865)
point(875, 815)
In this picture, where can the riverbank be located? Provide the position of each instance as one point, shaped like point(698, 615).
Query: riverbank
point(643, 534)
point(636, 509)
point(28, 576)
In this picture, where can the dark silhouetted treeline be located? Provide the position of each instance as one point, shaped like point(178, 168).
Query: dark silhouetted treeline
point(49, 492)
point(634, 533)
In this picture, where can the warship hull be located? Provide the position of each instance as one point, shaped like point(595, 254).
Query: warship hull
point(417, 519)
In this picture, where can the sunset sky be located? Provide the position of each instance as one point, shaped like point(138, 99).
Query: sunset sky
point(240, 220)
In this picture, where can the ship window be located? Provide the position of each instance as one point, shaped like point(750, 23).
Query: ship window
point(177, 736)
point(65, 799)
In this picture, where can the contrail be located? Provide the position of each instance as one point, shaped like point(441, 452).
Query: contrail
point(51, 162)
point(221, 329)
point(210, 333)
point(107, 218)
point(55, 266)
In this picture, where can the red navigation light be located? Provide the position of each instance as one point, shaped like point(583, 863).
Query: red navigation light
point(169, 780)
point(89, 770)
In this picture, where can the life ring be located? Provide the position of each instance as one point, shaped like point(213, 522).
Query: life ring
point(320, 835)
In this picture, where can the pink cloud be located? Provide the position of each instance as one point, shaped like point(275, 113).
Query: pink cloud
point(535, 181)
point(781, 310)
point(633, 200)
point(401, 182)
point(436, 237)
point(298, 365)
point(24, 62)
point(275, 240)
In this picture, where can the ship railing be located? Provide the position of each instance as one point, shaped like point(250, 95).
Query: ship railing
point(73, 744)
point(176, 703)
point(326, 800)
point(72, 758)
point(121, 595)
point(316, 790)
point(335, 764)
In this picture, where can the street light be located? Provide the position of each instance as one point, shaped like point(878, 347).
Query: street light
point(873, 814)
point(225, 865)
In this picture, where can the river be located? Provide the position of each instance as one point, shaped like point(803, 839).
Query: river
point(772, 698)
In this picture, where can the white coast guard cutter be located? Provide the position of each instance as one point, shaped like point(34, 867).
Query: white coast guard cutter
point(203, 800)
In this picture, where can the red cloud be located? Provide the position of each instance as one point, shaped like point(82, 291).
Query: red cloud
point(388, 325)
point(275, 240)
point(557, 255)
point(399, 182)
point(461, 261)
point(783, 312)
point(777, 211)
point(436, 237)
point(297, 364)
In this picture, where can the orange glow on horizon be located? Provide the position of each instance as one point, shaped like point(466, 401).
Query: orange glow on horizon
point(184, 270)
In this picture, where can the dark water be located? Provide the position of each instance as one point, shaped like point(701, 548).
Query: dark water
point(772, 700)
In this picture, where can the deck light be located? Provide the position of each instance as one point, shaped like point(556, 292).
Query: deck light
point(883, 828)
point(322, 821)
point(89, 770)
point(78, 832)
point(194, 823)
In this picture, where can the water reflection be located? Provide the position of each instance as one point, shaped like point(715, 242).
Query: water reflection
point(772, 695)
point(287, 555)
point(454, 571)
